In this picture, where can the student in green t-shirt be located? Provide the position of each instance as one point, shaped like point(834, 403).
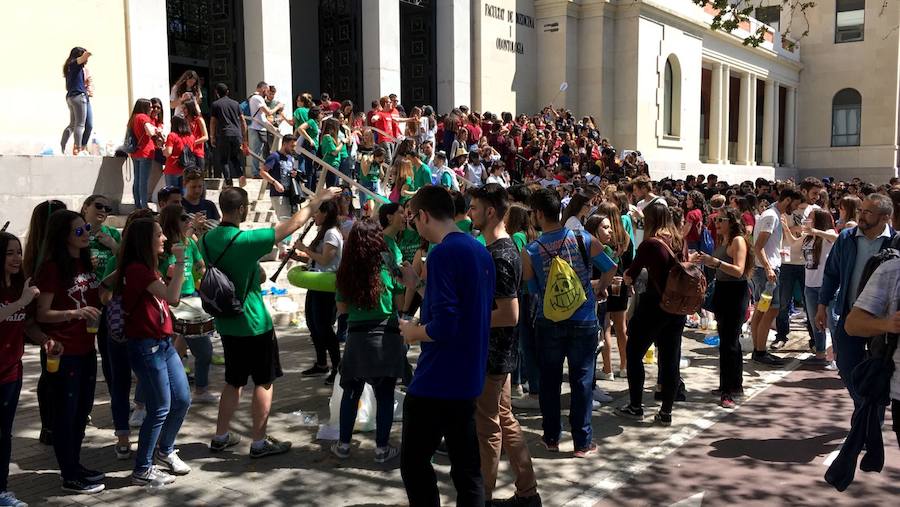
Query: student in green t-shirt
point(309, 130)
point(375, 352)
point(403, 188)
point(332, 147)
point(176, 227)
point(519, 227)
point(421, 171)
point(392, 217)
point(105, 240)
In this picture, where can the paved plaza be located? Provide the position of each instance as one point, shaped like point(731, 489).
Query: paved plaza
point(771, 450)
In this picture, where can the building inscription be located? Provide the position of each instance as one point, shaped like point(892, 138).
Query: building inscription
point(509, 16)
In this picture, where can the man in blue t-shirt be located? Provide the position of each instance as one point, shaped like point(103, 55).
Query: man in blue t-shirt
point(454, 330)
point(575, 338)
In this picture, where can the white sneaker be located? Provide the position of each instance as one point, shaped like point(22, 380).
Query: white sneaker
point(205, 398)
point(526, 402)
point(600, 395)
point(171, 463)
point(517, 391)
point(606, 376)
point(137, 417)
point(832, 366)
point(152, 477)
point(595, 405)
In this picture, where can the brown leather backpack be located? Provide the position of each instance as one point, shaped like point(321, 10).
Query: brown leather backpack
point(685, 287)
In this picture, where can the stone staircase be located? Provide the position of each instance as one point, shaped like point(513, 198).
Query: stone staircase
point(287, 303)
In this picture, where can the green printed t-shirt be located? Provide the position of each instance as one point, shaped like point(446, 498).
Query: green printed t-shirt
point(385, 307)
point(191, 258)
point(313, 130)
point(241, 265)
point(408, 183)
point(408, 241)
point(105, 256)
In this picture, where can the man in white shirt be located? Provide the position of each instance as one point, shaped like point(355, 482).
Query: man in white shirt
point(768, 238)
point(643, 193)
point(257, 129)
point(475, 169)
point(793, 266)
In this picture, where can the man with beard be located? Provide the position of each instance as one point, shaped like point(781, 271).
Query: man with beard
point(846, 261)
point(251, 349)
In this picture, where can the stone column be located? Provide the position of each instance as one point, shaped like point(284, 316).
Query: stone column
point(789, 126)
point(558, 48)
point(148, 60)
point(715, 115)
point(768, 137)
point(454, 46)
point(267, 45)
point(381, 48)
point(726, 114)
point(745, 130)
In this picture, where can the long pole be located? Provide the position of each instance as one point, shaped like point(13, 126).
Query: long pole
point(341, 175)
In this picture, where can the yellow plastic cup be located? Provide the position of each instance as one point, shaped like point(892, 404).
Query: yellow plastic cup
point(765, 301)
point(52, 364)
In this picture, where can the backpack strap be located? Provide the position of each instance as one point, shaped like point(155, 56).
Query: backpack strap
point(584, 253)
point(206, 248)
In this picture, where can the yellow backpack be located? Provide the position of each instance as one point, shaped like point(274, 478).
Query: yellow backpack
point(563, 294)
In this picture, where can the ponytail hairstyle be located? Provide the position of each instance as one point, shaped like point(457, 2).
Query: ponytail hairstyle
point(74, 55)
point(823, 221)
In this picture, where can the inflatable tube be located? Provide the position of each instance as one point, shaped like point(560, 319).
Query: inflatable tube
point(311, 280)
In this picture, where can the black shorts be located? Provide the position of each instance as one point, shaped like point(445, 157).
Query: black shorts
point(251, 357)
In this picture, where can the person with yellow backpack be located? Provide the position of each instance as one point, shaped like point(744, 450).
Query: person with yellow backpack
point(557, 269)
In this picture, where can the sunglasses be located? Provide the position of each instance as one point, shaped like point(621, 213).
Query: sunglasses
point(719, 220)
point(99, 206)
point(81, 231)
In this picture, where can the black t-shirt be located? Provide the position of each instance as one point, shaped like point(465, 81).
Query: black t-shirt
point(502, 346)
point(204, 205)
point(227, 113)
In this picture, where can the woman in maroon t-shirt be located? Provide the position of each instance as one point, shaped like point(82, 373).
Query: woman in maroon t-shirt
point(16, 312)
point(68, 305)
point(151, 351)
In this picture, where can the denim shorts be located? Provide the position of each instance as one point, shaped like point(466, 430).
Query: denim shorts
point(758, 283)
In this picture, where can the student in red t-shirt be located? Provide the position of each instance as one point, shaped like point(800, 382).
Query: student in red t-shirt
point(199, 131)
point(68, 304)
point(16, 313)
point(143, 128)
point(178, 139)
point(151, 350)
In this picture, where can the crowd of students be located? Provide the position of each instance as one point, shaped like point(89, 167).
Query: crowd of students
point(569, 244)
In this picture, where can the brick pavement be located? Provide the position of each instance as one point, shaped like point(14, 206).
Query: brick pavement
point(309, 474)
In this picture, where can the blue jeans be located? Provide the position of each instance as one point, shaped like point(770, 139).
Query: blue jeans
point(258, 144)
point(72, 394)
point(202, 348)
point(173, 180)
point(141, 180)
point(9, 400)
point(528, 362)
point(384, 411)
point(576, 343)
point(811, 295)
point(790, 276)
point(117, 373)
point(88, 123)
point(158, 366)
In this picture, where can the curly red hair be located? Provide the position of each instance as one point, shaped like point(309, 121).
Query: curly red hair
point(359, 275)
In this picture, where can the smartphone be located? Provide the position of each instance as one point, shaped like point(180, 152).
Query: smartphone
point(391, 263)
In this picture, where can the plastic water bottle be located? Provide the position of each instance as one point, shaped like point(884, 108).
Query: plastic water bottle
point(704, 322)
point(765, 300)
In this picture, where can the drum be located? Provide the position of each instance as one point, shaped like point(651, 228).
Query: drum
point(191, 320)
point(311, 280)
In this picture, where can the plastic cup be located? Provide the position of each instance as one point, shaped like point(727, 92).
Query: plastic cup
point(52, 363)
point(615, 288)
point(93, 325)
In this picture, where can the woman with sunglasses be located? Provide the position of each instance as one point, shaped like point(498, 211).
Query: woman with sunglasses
point(104, 244)
point(176, 227)
point(16, 320)
point(733, 262)
point(148, 329)
point(68, 304)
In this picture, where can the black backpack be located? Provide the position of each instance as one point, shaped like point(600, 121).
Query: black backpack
point(217, 291)
point(187, 159)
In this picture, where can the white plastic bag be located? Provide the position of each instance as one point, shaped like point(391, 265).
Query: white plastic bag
point(365, 416)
